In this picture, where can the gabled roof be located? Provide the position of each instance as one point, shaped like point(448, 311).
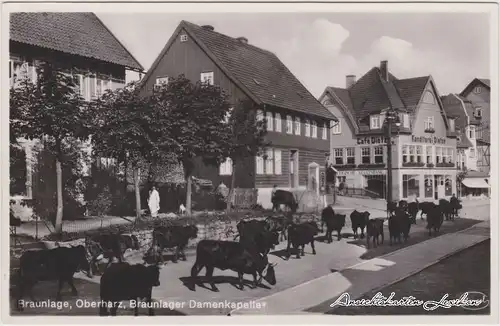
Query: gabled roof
point(77, 33)
point(259, 73)
point(459, 107)
point(372, 94)
point(483, 81)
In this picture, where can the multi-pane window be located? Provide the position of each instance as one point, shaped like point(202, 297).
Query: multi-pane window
point(336, 130)
point(307, 128)
point(269, 121)
point(439, 155)
point(161, 81)
point(428, 152)
point(226, 167)
point(207, 77)
point(277, 161)
point(350, 155)
point(404, 151)
point(325, 131)
point(314, 129)
point(259, 164)
point(289, 124)
point(338, 156)
point(375, 122)
point(412, 154)
point(269, 161)
point(379, 154)
point(277, 122)
point(365, 155)
point(429, 123)
point(297, 125)
point(420, 158)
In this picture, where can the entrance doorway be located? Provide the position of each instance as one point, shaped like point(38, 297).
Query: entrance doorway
point(294, 168)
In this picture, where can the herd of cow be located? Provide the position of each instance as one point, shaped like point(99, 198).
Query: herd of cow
point(123, 281)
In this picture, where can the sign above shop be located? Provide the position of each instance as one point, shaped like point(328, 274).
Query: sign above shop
point(373, 140)
point(361, 172)
point(428, 140)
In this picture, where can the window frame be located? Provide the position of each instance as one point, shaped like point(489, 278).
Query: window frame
point(337, 128)
point(338, 159)
point(277, 162)
point(307, 128)
point(324, 136)
point(277, 122)
point(289, 124)
point(373, 119)
point(269, 121)
point(366, 155)
point(353, 156)
point(380, 155)
point(297, 126)
point(210, 79)
point(226, 167)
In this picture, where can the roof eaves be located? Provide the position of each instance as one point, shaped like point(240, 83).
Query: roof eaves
point(344, 108)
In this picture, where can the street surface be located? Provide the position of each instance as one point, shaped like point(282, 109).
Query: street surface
point(174, 277)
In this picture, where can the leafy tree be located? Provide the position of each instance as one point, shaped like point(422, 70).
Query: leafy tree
point(190, 124)
point(246, 136)
point(122, 130)
point(52, 109)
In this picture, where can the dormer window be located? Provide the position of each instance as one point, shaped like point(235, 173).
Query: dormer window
point(477, 90)
point(184, 38)
point(478, 112)
point(375, 122)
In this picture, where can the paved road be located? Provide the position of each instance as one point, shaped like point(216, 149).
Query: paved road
point(330, 258)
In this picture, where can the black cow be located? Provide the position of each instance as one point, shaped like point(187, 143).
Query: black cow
point(172, 236)
point(122, 281)
point(334, 222)
point(110, 245)
point(359, 220)
point(256, 235)
point(426, 207)
point(374, 229)
point(301, 234)
point(48, 265)
point(446, 208)
point(279, 224)
point(399, 225)
point(391, 207)
point(435, 219)
point(233, 256)
point(403, 204)
point(413, 209)
point(283, 197)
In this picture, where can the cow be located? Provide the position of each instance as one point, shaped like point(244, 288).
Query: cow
point(172, 236)
point(391, 207)
point(122, 281)
point(283, 197)
point(256, 235)
point(446, 208)
point(374, 229)
point(233, 256)
point(435, 219)
point(110, 245)
point(334, 222)
point(399, 225)
point(301, 234)
point(279, 224)
point(51, 264)
point(403, 204)
point(426, 207)
point(359, 220)
point(413, 209)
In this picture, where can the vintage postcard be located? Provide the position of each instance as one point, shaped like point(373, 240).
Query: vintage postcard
point(306, 163)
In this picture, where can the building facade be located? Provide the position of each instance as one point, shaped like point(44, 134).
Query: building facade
point(478, 93)
point(69, 42)
point(298, 125)
point(423, 146)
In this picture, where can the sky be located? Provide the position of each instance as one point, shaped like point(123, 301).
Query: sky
point(321, 49)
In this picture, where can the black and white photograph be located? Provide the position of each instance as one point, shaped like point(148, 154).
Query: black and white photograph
point(225, 159)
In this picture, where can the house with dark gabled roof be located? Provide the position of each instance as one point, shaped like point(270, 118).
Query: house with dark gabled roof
point(478, 93)
point(424, 145)
point(297, 124)
point(79, 44)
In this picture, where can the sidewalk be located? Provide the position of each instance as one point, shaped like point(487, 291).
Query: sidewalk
point(316, 295)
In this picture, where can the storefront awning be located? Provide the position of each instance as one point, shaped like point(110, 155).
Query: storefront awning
point(475, 183)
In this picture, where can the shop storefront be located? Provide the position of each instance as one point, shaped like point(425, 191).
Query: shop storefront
point(373, 181)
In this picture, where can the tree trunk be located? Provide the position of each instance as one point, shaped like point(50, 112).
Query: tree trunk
point(59, 215)
point(188, 194)
point(137, 193)
point(231, 189)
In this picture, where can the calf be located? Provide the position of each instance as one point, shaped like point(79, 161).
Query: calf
point(51, 264)
point(374, 229)
point(426, 207)
point(334, 222)
point(301, 234)
point(173, 236)
point(359, 220)
point(435, 219)
point(110, 246)
point(123, 281)
point(233, 256)
point(283, 197)
point(413, 209)
point(399, 225)
point(279, 224)
point(446, 208)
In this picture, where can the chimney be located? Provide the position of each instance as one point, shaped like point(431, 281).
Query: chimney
point(242, 39)
point(208, 27)
point(350, 80)
point(384, 70)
